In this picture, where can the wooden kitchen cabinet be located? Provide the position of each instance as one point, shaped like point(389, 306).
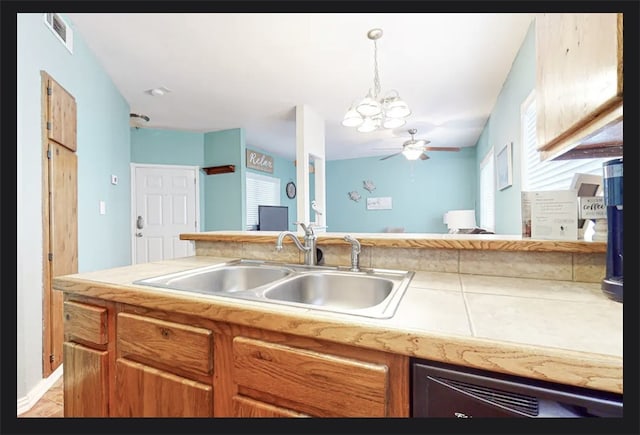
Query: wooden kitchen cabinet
point(86, 359)
point(579, 85)
point(86, 383)
point(294, 379)
point(143, 391)
point(164, 368)
point(168, 364)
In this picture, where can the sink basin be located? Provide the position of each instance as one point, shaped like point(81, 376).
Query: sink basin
point(220, 278)
point(337, 290)
point(370, 292)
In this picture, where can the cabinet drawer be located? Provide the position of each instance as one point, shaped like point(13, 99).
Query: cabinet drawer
point(332, 385)
point(85, 322)
point(186, 347)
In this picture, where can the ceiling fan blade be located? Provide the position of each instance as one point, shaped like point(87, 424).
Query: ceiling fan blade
point(395, 154)
point(423, 156)
point(387, 149)
point(442, 149)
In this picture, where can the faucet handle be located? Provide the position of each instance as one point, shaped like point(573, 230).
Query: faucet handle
point(307, 228)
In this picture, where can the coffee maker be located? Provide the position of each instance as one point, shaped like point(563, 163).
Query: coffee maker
point(612, 284)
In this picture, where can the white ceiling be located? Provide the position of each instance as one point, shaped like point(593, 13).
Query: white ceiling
point(250, 70)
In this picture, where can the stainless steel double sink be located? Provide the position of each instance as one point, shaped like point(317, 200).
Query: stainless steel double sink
point(370, 292)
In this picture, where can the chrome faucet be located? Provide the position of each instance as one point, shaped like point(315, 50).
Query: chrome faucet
point(309, 248)
point(355, 253)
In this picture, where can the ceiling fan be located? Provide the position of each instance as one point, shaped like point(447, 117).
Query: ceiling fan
point(416, 149)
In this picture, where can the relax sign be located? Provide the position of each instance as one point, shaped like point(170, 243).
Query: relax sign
point(259, 161)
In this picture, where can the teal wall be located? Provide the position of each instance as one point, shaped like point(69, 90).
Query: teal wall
point(503, 127)
point(104, 241)
point(421, 191)
point(170, 147)
point(224, 202)
point(285, 170)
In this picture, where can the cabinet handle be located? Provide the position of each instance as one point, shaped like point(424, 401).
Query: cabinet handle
point(165, 332)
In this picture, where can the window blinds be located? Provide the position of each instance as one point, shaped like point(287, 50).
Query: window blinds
point(549, 175)
point(260, 190)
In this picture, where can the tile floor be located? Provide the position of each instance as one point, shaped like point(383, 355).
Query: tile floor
point(51, 404)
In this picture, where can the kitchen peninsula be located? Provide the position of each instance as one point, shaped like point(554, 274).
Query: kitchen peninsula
point(528, 308)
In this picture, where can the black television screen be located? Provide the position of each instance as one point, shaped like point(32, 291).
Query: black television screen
point(273, 218)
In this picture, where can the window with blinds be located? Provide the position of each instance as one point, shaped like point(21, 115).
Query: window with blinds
point(487, 193)
point(549, 175)
point(260, 190)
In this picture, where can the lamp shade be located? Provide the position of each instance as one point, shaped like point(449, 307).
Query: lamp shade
point(460, 219)
point(352, 119)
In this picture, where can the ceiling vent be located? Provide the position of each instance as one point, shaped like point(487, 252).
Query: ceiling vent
point(59, 27)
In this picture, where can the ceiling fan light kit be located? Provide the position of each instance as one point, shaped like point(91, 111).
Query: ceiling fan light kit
point(377, 110)
point(413, 149)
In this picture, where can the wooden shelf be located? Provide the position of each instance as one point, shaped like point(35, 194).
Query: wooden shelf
point(224, 169)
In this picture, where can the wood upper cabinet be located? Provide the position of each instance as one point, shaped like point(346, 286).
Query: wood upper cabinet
point(61, 123)
point(579, 84)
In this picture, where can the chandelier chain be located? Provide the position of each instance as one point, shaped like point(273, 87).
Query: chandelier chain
point(376, 77)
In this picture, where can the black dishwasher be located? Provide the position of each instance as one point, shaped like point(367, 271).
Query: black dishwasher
point(445, 390)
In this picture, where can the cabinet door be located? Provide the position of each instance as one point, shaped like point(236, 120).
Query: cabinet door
point(320, 384)
point(62, 122)
point(245, 407)
point(579, 72)
point(143, 391)
point(86, 384)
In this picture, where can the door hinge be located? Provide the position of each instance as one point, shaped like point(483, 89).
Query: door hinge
point(51, 358)
point(49, 90)
point(50, 256)
point(48, 125)
point(49, 154)
point(195, 224)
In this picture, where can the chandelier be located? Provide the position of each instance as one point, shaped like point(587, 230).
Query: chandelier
point(377, 110)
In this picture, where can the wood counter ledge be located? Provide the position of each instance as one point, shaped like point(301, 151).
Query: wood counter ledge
point(471, 338)
point(483, 242)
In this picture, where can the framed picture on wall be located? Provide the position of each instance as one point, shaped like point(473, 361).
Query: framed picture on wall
point(504, 167)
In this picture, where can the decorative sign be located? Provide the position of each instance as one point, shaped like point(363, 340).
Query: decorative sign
point(553, 215)
point(259, 161)
point(381, 203)
point(592, 207)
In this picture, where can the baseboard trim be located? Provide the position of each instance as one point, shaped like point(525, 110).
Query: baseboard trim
point(26, 403)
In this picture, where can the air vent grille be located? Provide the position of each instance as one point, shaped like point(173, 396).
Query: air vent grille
point(59, 27)
point(517, 402)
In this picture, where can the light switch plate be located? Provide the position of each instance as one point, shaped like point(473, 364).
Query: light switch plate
point(114, 179)
point(103, 207)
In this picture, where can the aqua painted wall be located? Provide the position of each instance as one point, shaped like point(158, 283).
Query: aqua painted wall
point(503, 127)
point(421, 191)
point(224, 202)
point(104, 241)
point(170, 147)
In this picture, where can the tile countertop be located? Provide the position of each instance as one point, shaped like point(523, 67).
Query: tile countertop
point(558, 331)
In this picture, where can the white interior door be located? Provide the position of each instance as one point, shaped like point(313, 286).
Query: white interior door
point(165, 204)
